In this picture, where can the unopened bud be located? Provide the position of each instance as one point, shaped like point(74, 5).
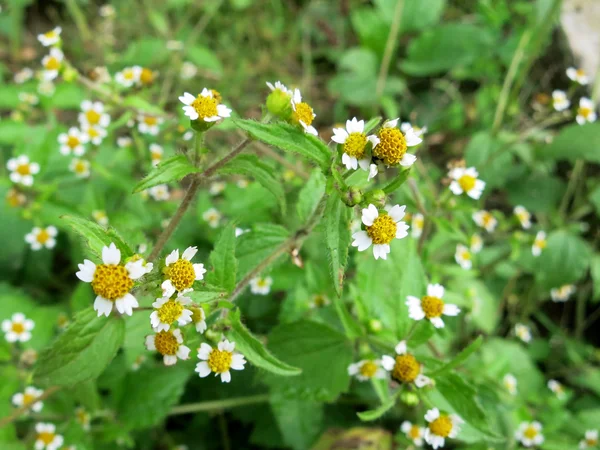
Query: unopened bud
point(279, 105)
point(375, 326)
point(353, 196)
point(377, 198)
point(409, 398)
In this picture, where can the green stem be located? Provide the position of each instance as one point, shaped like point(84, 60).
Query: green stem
point(79, 19)
point(389, 48)
point(219, 405)
point(573, 182)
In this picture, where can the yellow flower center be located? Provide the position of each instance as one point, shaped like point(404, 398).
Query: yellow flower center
point(52, 63)
point(442, 426)
point(150, 121)
point(414, 432)
point(46, 437)
point(92, 117)
point(111, 281)
point(18, 327)
point(466, 255)
point(155, 155)
point(42, 236)
point(50, 34)
point(580, 72)
point(392, 146)
point(540, 243)
point(181, 273)
point(355, 145)
point(72, 142)
point(92, 132)
point(23, 169)
point(166, 343)
point(205, 106)
point(170, 311)
point(432, 306)
point(418, 222)
point(14, 198)
point(219, 361)
point(487, 219)
point(406, 369)
point(591, 442)
point(82, 416)
point(303, 113)
point(80, 166)
point(320, 301)
point(128, 74)
point(368, 369)
point(383, 229)
point(530, 432)
point(147, 76)
point(467, 182)
point(584, 111)
point(28, 399)
point(197, 314)
point(523, 216)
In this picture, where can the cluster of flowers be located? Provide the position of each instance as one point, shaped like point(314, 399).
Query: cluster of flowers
point(560, 100)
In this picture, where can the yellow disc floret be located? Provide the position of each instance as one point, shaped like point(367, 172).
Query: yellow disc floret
point(52, 63)
point(205, 106)
point(303, 113)
point(216, 95)
point(392, 146)
point(181, 273)
point(415, 432)
point(406, 369)
point(146, 76)
point(383, 229)
point(23, 169)
point(46, 437)
point(432, 306)
point(355, 145)
point(170, 311)
point(219, 361)
point(92, 117)
point(166, 343)
point(18, 327)
point(43, 236)
point(368, 369)
point(442, 426)
point(72, 142)
point(530, 432)
point(111, 281)
point(467, 182)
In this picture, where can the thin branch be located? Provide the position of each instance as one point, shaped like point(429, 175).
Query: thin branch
point(23, 409)
point(218, 405)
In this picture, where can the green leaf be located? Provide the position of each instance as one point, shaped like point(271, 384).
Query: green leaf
point(565, 260)
point(98, 237)
point(172, 169)
point(337, 235)
point(290, 138)
point(258, 243)
point(459, 359)
point(400, 179)
point(595, 272)
point(576, 142)
point(255, 351)
point(374, 414)
point(310, 195)
point(82, 352)
point(205, 58)
point(251, 166)
point(300, 421)
point(141, 104)
point(372, 124)
point(416, 16)
point(224, 263)
point(206, 293)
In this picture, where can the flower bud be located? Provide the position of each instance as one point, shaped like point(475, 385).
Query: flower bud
point(70, 74)
point(353, 196)
point(279, 105)
point(375, 326)
point(376, 197)
point(409, 398)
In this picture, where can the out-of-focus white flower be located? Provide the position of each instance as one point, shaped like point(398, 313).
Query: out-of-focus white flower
point(41, 237)
point(586, 111)
point(563, 293)
point(578, 75)
point(188, 70)
point(560, 102)
point(51, 37)
point(260, 285)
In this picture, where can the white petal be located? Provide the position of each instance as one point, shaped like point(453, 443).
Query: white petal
point(451, 310)
point(364, 163)
point(169, 360)
point(422, 381)
point(369, 215)
point(397, 212)
point(183, 352)
point(172, 257)
point(381, 251)
point(189, 253)
point(204, 351)
point(203, 369)
point(402, 230)
point(437, 322)
point(408, 160)
point(103, 306)
point(412, 139)
point(111, 254)
point(349, 161)
point(401, 348)
point(86, 271)
point(435, 290)
point(339, 135)
point(199, 270)
point(150, 342)
point(187, 98)
point(136, 269)
point(361, 240)
point(432, 414)
point(226, 377)
point(391, 123)
point(455, 188)
point(126, 304)
point(237, 361)
point(167, 288)
point(388, 363)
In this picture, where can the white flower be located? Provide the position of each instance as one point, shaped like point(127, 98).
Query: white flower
point(204, 107)
point(407, 128)
point(188, 70)
point(46, 88)
point(381, 229)
point(485, 220)
point(278, 85)
point(367, 369)
point(510, 383)
point(391, 144)
point(180, 272)
point(354, 142)
point(107, 10)
point(169, 310)
point(169, 344)
point(441, 426)
point(413, 432)
point(29, 398)
point(95, 134)
point(586, 111)
point(46, 438)
point(530, 434)
point(463, 257)
point(83, 418)
point(80, 167)
point(100, 217)
point(129, 76)
point(17, 328)
point(52, 64)
point(41, 237)
point(523, 332)
point(475, 243)
point(319, 301)
point(523, 216)
point(560, 102)
point(404, 367)
point(431, 306)
point(591, 439)
point(124, 141)
point(112, 281)
point(72, 142)
point(51, 37)
point(213, 217)
point(160, 192)
point(302, 113)
point(23, 75)
point(563, 293)
point(539, 243)
point(92, 113)
point(578, 75)
point(30, 99)
point(141, 359)
point(216, 187)
point(260, 285)
point(416, 225)
point(156, 153)
point(465, 180)
point(557, 388)
point(199, 319)
point(22, 171)
point(219, 360)
point(149, 124)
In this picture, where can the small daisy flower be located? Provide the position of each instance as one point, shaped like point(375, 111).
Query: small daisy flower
point(100, 217)
point(393, 144)
point(413, 432)
point(188, 70)
point(17, 328)
point(441, 426)
point(213, 217)
point(354, 144)
point(41, 237)
point(578, 75)
point(219, 360)
point(22, 171)
point(80, 167)
point(557, 388)
point(510, 383)
point(523, 332)
point(141, 359)
point(523, 216)
point(367, 369)
point(46, 88)
point(92, 113)
point(159, 192)
point(260, 285)
point(416, 225)
point(51, 37)
point(83, 418)
point(381, 229)
point(23, 75)
point(560, 102)
point(107, 10)
point(46, 437)
point(319, 301)
point(124, 141)
point(404, 367)
point(204, 107)
point(431, 306)
point(180, 272)
point(463, 257)
point(156, 153)
point(563, 293)
point(591, 439)
point(112, 281)
point(94, 134)
point(485, 220)
point(539, 243)
point(28, 98)
point(586, 111)
point(199, 318)
point(530, 434)
point(475, 243)
point(147, 76)
point(149, 124)
point(72, 142)
point(14, 198)
point(52, 64)
point(216, 187)
point(29, 398)
point(169, 310)
point(465, 180)
point(302, 113)
point(129, 76)
point(169, 344)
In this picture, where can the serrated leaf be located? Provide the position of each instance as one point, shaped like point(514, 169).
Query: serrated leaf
point(374, 414)
point(576, 142)
point(290, 138)
point(82, 352)
point(251, 166)
point(172, 169)
point(459, 359)
point(141, 104)
point(310, 195)
point(337, 235)
point(255, 351)
point(300, 421)
point(224, 263)
point(207, 293)
point(98, 237)
point(398, 181)
point(256, 244)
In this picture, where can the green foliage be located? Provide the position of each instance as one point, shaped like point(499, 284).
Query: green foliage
point(573, 142)
point(566, 259)
point(374, 414)
point(224, 263)
point(97, 237)
point(337, 234)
